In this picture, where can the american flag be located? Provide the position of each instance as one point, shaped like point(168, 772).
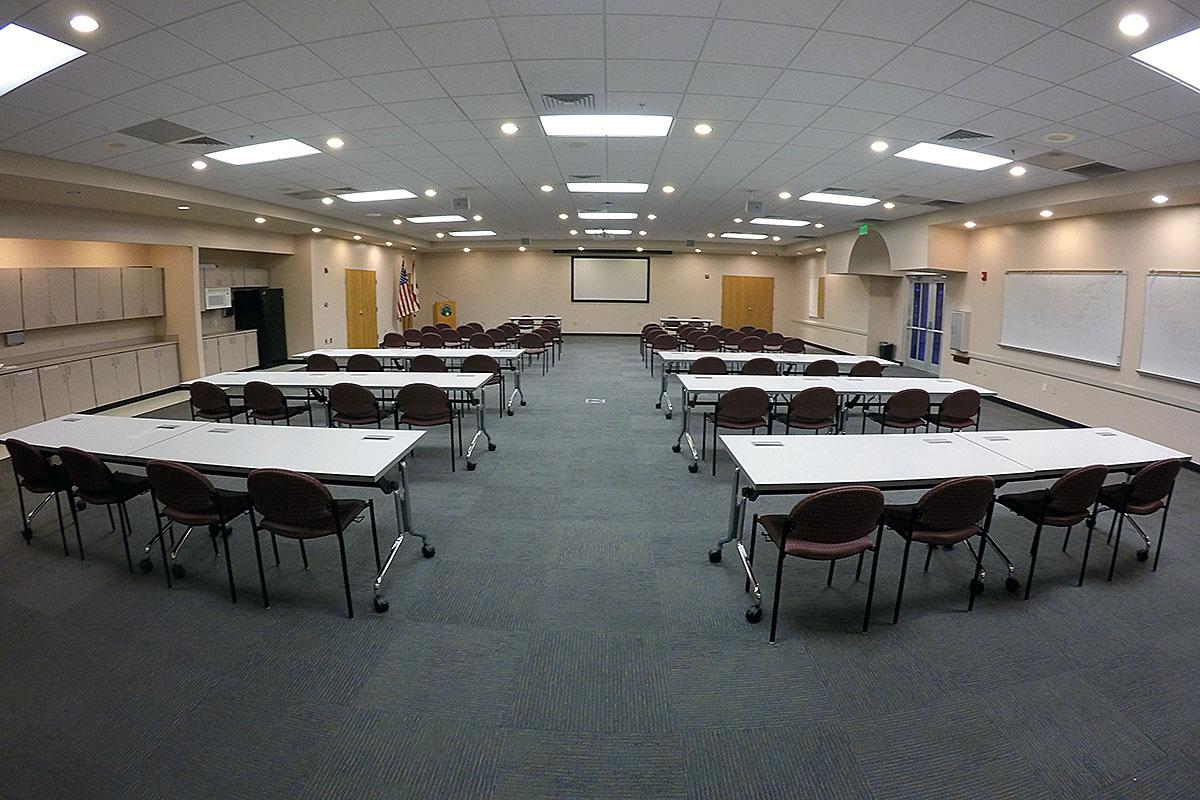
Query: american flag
point(406, 295)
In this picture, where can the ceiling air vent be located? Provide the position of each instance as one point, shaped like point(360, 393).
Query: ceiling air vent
point(911, 199)
point(1096, 169)
point(962, 135)
point(583, 178)
point(870, 220)
point(1057, 159)
point(160, 131)
point(317, 194)
point(207, 141)
point(942, 203)
point(568, 102)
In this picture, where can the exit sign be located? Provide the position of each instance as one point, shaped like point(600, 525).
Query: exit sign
point(863, 229)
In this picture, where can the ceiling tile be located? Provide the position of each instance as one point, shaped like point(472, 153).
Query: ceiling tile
point(497, 106)
point(812, 87)
point(767, 132)
point(852, 120)
point(785, 113)
point(12, 9)
point(218, 83)
point(842, 54)
point(234, 31)
point(164, 12)
point(673, 38)
point(422, 12)
point(554, 36)
point(311, 22)
point(717, 107)
point(394, 87)
point(283, 69)
point(650, 76)
point(735, 42)
point(699, 8)
point(1120, 81)
point(159, 55)
point(14, 120)
point(465, 42)
point(398, 134)
point(51, 98)
point(956, 111)
point(786, 12)
point(927, 69)
point(209, 118)
point(265, 107)
point(366, 54)
point(665, 103)
point(899, 22)
point(437, 132)
point(426, 111)
point(1167, 19)
point(1007, 123)
point(517, 8)
point(1149, 137)
point(52, 18)
point(1058, 57)
point(982, 33)
point(497, 78)
point(306, 125)
point(886, 97)
point(1169, 103)
point(361, 119)
point(997, 86)
point(562, 75)
point(159, 99)
point(109, 116)
point(1103, 149)
point(1058, 103)
point(97, 76)
point(735, 79)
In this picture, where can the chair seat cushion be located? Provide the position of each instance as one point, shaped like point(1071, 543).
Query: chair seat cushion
point(737, 424)
point(1029, 505)
point(359, 419)
point(805, 424)
point(280, 413)
point(899, 518)
point(425, 422)
point(223, 413)
point(1113, 496)
point(344, 512)
point(951, 422)
point(231, 505)
point(776, 524)
point(892, 422)
point(56, 481)
point(124, 487)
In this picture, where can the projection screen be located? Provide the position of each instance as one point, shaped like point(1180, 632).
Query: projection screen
point(615, 279)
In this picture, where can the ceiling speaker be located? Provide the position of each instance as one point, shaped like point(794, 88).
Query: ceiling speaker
point(462, 204)
point(754, 208)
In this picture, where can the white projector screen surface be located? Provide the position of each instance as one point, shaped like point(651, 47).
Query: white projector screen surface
point(1170, 345)
point(1079, 315)
point(610, 280)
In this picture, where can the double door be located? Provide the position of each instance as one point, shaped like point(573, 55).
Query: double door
point(361, 309)
point(747, 300)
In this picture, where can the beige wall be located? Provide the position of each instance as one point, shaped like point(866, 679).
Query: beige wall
point(489, 286)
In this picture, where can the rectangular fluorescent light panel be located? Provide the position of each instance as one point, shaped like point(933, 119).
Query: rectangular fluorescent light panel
point(607, 215)
point(743, 236)
point(784, 223)
point(372, 197)
point(945, 156)
point(1177, 58)
point(263, 152)
point(610, 231)
point(26, 54)
point(612, 125)
point(472, 233)
point(600, 187)
point(438, 218)
point(839, 199)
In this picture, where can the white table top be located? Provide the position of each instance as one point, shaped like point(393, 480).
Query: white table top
point(892, 461)
point(407, 353)
point(331, 454)
point(530, 317)
point(110, 437)
point(1060, 450)
point(793, 384)
point(691, 356)
point(388, 379)
point(681, 320)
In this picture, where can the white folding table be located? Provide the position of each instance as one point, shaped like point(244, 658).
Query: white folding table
point(528, 321)
point(695, 386)
point(470, 383)
point(675, 322)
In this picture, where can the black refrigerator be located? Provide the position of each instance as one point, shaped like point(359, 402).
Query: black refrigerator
point(262, 310)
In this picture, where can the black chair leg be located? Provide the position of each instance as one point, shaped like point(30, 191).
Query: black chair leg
point(75, 521)
point(1162, 529)
point(374, 534)
point(903, 577)
point(871, 586)
point(829, 580)
point(778, 591)
point(1112, 565)
point(262, 575)
point(62, 528)
point(452, 457)
point(1087, 549)
point(858, 569)
point(125, 531)
point(753, 539)
point(303, 553)
point(345, 576)
point(928, 556)
point(1067, 538)
point(228, 562)
point(978, 569)
point(1033, 551)
point(275, 548)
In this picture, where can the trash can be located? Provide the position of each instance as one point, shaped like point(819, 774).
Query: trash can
point(887, 351)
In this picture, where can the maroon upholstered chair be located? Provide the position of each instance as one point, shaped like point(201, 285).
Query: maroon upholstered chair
point(814, 409)
point(444, 326)
point(183, 496)
point(663, 343)
point(773, 342)
point(867, 369)
point(320, 362)
point(363, 362)
point(746, 408)
point(430, 329)
point(427, 363)
point(548, 341)
point(412, 337)
point(708, 365)
point(351, 405)
point(426, 406)
point(486, 365)
point(481, 341)
point(760, 366)
point(465, 331)
point(266, 403)
point(96, 484)
point(1147, 492)
point(432, 340)
point(452, 338)
point(34, 473)
point(751, 344)
point(826, 526)
point(534, 347)
point(210, 402)
point(793, 346)
point(296, 506)
point(1072, 499)
point(822, 368)
point(747, 329)
point(649, 331)
point(732, 340)
point(498, 336)
point(707, 343)
point(906, 410)
point(957, 411)
point(953, 511)
point(393, 339)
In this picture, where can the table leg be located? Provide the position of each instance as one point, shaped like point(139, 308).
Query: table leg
point(685, 435)
point(402, 501)
point(481, 430)
point(663, 397)
point(737, 510)
point(517, 385)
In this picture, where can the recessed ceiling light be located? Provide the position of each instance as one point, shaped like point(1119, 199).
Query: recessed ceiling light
point(969, 224)
point(605, 125)
point(753, 252)
point(315, 230)
point(334, 142)
point(784, 223)
point(478, 217)
point(607, 231)
point(698, 250)
point(1178, 58)
point(26, 54)
point(377, 196)
point(440, 235)
point(397, 221)
point(573, 232)
point(412, 247)
point(639, 248)
point(1017, 171)
point(820, 249)
point(668, 189)
point(733, 235)
point(522, 248)
point(785, 195)
point(260, 220)
point(879, 146)
point(466, 249)
point(184, 208)
point(509, 128)
point(819, 225)
point(1160, 198)
point(601, 187)
point(580, 249)
point(357, 238)
point(704, 129)
point(652, 217)
point(775, 238)
point(1045, 212)
point(607, 215)
point(83, 23)
point(564, 215)
point(327, 201)
point(264, 151)
point(472, 233)
point(388, 244)
point(547, 187)
point(198, 164)
point(889, 205)
point(737, 220)
point(710, 234)
point(951, 156)
point(838, 199)
point(431, 192)
point(437, 218)
point(641, 233)
point(1133, 24)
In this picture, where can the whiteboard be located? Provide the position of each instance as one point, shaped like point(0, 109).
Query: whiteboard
point(1170, 330)
point(1079, 315)
point(610, 280)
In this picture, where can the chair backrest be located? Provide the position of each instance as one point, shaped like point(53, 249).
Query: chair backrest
point(530, 341)
point(30, 464)
point(815, 404)
point(691, 335)
point(363, 362)
point(476, 327)
point(422, 401)
point(498, 335)
point(743, 404)
point(296, 501)
point(760, 366)
point(714, 328)
point(431, 339)
point(651, 326)
point(664, 341)
point(867, 369)
point(412, 336)
point(747, 329)
point(429, 329)
point(759, 332)
point(393, 339)
point(444, 326)
point(751, 344)
point(264, 397)
point(708, 365)
point(352, 400)
point(1076, 492)
point(427, 363)
point(793, 346)
point(481, 341)
point(707, 343)
point(959, 406)
point(733, 338)
point(546, 334)
point(181, 488)
point(773, 340)
point(822, 367)
point(451, 337)
point(480, 363)
point(955, 504)
point(320, 362)
point(1154, 482)
point(465, 331)
point(907, 405)
point(838, 515)
point(208, 397)
point(85, 471)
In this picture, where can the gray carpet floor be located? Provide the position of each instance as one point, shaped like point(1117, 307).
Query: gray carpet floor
point(571, 639)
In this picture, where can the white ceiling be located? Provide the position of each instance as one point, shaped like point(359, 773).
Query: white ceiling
point(795, 93)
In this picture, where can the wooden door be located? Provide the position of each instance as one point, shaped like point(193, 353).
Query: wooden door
point(361, 312)
point(747, 300)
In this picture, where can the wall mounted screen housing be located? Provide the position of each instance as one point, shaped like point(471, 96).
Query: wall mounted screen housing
point(612, 279)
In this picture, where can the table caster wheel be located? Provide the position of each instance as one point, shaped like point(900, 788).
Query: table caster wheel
point(510, 412)
point(80, 505)
point(714, 556)
point(145, 565)
point(178, 571)
point(471, 466)
point(381, 605)
point(977, 587)
point(754, 614)
point(491, 447)
point(668, 416)
point(27, 534)
point(1011, 584)
point(658, 405)
point(693, 468)
point(676, 448)
point(428, 550)
point(523, 402)
point(1143, 555)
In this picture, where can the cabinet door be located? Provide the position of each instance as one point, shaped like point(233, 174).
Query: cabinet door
point(27, 398)
point(251, 342)
point(80, 388)
point(128, 380)
point(131, 293)
point(105, 380)
point(148, 375)
point(168, 365)
point(232, 353)
point(11, 318)
point(62, 296)
point(153, 288)
point(111, 302)
point(256, 277)
point(35, 297)
point(8, 414)
point(212, 357)
point(88, 303)
point(56, 395)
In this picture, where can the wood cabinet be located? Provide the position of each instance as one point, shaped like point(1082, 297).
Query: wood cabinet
point(98, 295)
point(158, 367)
point(232, 353)
point(212, 357)
point(47, 297)
point(11, 318)
point(251, 342)
point(116, 377)
point(20, 400)
point(142, 292)
point(67, 388)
